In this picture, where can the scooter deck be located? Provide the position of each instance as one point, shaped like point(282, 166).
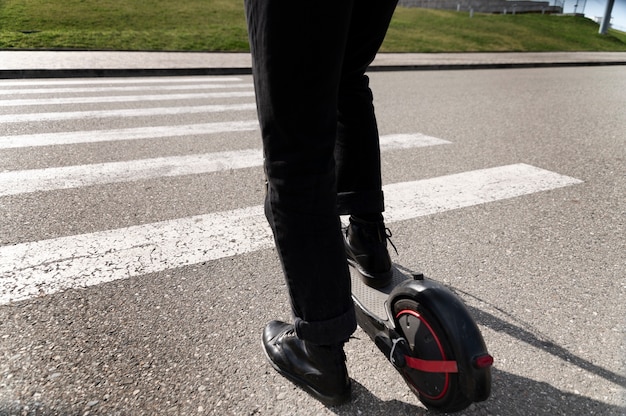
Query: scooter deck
point(373, 299)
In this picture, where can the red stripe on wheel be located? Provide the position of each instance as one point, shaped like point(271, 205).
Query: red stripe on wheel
point(431, 366)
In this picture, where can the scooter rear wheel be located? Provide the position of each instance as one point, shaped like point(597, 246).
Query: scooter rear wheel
point(427, 341)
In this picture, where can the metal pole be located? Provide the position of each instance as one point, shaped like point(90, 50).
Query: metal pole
point(606, 20)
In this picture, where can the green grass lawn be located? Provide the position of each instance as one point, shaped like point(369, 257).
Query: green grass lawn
point(445, 31)
point(219, 25)
point(215, 25)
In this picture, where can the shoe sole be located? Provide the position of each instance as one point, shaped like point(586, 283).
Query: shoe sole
point(375, 281)
point(327, 400)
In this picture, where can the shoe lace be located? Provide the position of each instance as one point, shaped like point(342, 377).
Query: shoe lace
point(381, 233)
point(387, 235)
point(291, 332)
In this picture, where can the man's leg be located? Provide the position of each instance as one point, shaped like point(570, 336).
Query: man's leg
point(297, 49)
point(357, 150)
point(297, 53)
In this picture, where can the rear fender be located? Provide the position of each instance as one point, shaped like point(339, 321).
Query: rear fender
point(466, 341)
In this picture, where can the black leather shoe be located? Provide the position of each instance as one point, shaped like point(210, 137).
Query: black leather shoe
point(320, 370)
point(366, 249)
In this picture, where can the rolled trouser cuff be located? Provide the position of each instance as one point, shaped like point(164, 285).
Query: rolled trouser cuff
point(329, 332)
point(361, 202)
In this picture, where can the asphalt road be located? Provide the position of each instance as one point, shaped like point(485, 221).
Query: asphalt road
point(135, 280)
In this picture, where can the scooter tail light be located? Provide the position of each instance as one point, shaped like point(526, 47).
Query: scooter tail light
point(483, 361)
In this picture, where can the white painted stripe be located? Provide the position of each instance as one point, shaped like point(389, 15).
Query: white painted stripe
point(17, 182)
point(135, 133)
point(123, 98)
point(141, 112)
point(77, 90)
point(411, 199)
point(393, 141)
point(24, 181)
point(48, 266)
point(115, 81)
point(407, 141)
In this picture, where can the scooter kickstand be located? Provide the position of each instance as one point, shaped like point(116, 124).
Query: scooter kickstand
point(396, 357)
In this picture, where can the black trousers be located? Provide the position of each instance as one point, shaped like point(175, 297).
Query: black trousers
point(320, 141)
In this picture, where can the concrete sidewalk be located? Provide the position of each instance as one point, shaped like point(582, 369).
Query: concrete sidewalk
point(53, 64)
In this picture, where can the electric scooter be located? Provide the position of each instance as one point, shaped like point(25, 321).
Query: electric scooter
point(427, 333)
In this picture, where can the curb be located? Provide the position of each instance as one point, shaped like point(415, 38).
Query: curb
point(158, 72)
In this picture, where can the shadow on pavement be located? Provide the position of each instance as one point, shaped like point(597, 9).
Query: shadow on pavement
point(511, 395)
point(499, 325)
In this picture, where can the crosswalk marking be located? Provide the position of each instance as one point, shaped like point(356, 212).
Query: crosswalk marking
point(133, 133)
point(123, 98)
point(117, 81)
point(49, 266)
point(140, 112)
point(17, 182)
point(407, 141)
point(66, 177)
point(412, 199)
point(75, 90)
